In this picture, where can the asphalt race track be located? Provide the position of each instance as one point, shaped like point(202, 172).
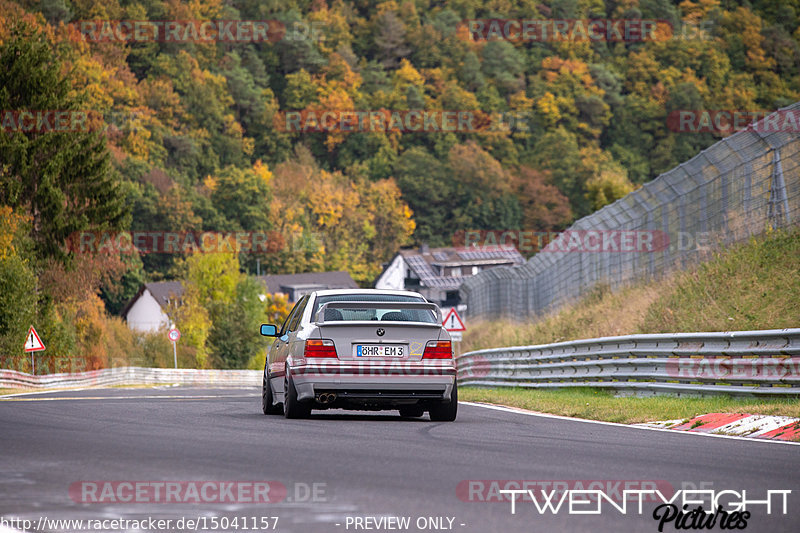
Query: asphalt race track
point(346, 471)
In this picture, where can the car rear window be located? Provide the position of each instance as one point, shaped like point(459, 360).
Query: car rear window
point(383, 313)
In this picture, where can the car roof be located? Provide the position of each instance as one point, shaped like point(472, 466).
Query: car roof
point(329, 292)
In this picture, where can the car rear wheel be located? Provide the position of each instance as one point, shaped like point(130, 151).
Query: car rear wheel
point(268, 399)
point(446, 412)
point(411, 411)
point(292, 408)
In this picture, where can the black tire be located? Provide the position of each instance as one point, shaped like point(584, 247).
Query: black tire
point(292, 408)
point(268, 399)
point(446, 411)
point(411, 411)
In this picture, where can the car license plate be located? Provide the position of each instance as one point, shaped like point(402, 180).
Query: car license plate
point(379, 350)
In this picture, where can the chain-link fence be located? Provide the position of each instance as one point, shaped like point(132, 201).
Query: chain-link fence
point(737, 188)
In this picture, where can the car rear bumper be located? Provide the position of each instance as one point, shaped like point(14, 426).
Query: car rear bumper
point(392, 383)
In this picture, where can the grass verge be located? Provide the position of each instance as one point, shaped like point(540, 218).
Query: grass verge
point(596, 404)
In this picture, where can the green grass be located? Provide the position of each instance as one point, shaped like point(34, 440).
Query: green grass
point(755, 285)
point(594, 404)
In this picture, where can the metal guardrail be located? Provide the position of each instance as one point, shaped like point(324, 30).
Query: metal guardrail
point(132, 376)
point(738, 363)
point(745, 363)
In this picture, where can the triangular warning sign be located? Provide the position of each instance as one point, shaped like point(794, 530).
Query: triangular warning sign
point(32, 342)
point(453, 322)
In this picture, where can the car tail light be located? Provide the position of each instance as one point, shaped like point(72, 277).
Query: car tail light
point(438, 350)
point(320, 348)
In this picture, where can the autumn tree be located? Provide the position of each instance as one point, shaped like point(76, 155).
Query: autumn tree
point(544, 207)
point(17, 283)
point(390, 39)
point(210, 290)
point(62, 179)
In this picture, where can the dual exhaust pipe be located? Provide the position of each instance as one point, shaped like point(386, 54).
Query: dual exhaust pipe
point(326, 397)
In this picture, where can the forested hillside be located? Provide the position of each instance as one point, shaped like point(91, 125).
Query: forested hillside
point(195, 135)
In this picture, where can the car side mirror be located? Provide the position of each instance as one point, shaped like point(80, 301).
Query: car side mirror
point(269, 330)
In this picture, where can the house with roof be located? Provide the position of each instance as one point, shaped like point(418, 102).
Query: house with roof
point(295, 286)
point(437, 273)
point(147, 310)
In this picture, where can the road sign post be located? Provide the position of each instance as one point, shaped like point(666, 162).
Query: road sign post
point(33, 344)
point(454, 325)
point(453, 322)
point(174, 335)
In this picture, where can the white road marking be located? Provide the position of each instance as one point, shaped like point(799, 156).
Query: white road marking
point(76, 389)
point(157, 397)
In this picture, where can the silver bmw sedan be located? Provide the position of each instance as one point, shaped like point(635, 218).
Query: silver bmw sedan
point(361, 349)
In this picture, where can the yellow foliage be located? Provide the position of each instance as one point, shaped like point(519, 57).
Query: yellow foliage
point(332, 97)
point(262, 171)
point(330, 200)
point(748, 26)
point(9, 225)
point(330, 29)
point(520, 102)
point(194, 322)
point(214, 275)
point(277, 307)
point(559, 66)
point(696, 11)
point(210, 183)
point(91, 329)
point(211, 280)
point(407, 75)
point(548, 107)
point(339, 73)
point(386, 7)
point(643, 71)
point(608, 181)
